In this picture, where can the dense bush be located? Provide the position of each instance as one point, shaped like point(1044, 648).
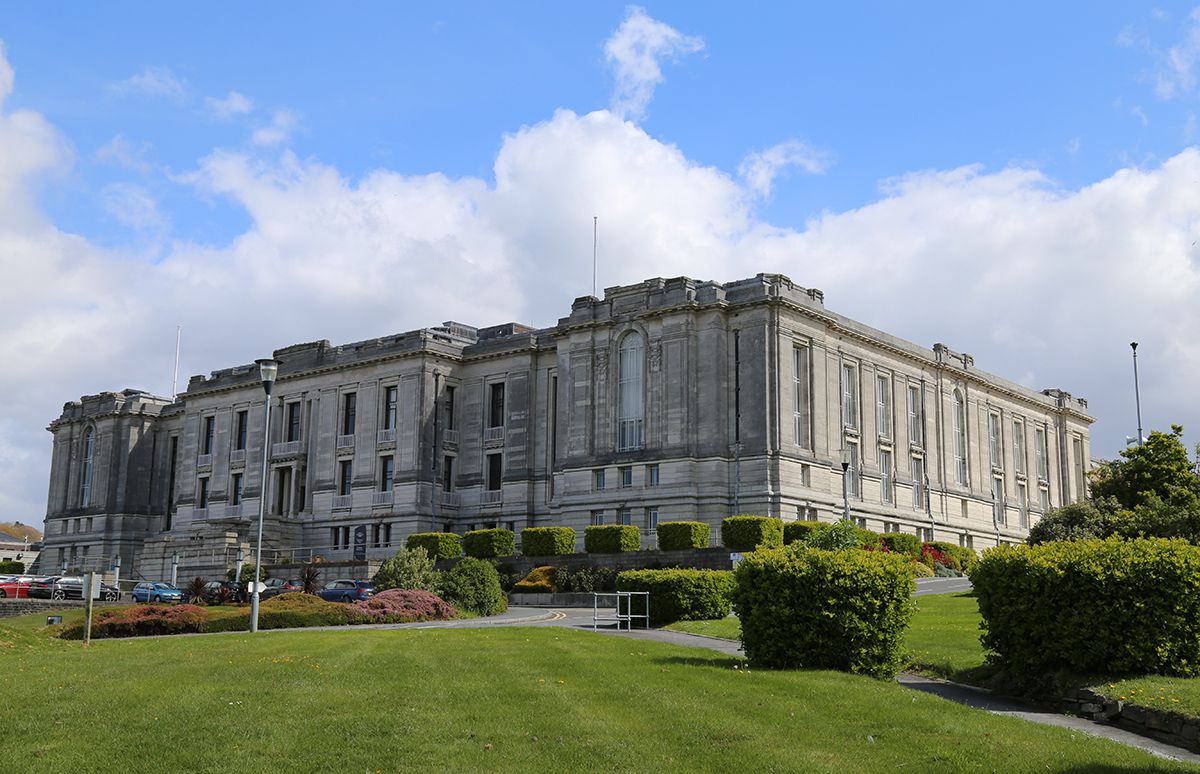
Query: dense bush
point(1092, 606)
point(540, 580)
point(508, 577)
point(408, 569)
point(294, 609)
point(921, 570)
point(748, 533)
point(867, 538)
point(966, 557)
point(586, 580)
point(798, 531)
point(902, 543)
point(681, 535)
point(247, 575)
point(489, 543)
point(139, 621)
point(681, 595)
point(439, 545)
point(844, 610)
point(402, 606)
point(833, 537)
point(1077, 521)
point(474, 585)
point(12, 567)
point(612, 539)
point(547, 541)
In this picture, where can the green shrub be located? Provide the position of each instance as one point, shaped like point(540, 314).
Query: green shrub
point(586, 579)
point(488, 543)
point(966, 556)
point(547, 541)
point(474, 585)
point(749, 533)
point(12, 567)
point(902, 543)
point(409, 569)
point(439, 545)
point(1077, 521)
point(921, 570)
point(798, 531)
point(844, 610)
point(681, 535)
point(247, 576)
point(867, 538)
point(1092, 606)
point(612, 539)
point(681, 595)
point(540, 580)
point(834, 537)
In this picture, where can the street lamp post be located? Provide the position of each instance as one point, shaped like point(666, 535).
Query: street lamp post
point(174, 568)
point(117, 571)
point(846, 484)
point(267, 370)
point(237, 574)
point(1137, 393)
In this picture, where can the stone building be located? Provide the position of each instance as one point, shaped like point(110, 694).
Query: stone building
point(667, 400)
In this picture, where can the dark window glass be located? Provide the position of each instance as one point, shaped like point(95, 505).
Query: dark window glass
point(448, 408)
point(387, 473)
point(209, 433)
point(242, 423)
point(349, 408)
point(389, 417)
point(236, 490)
point(293, 418)
point(495, 470)
point(448, 475)
point(347, 476)
point(496, 410)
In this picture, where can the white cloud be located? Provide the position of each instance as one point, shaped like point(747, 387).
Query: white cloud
point(233, 104)
point(133, 206)
point(282, 124)
point(634, 51)
point(151, 81)
point(120, 151)
point(759, 170)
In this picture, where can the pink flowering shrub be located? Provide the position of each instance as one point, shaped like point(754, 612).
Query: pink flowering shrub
point(402, 606)
point(141, 621)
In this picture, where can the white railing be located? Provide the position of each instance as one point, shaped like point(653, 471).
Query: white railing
point(342, 501)
point(491, 497)
point(450, 499)
point(233, 511)
point(382, 498)
point(286, 447)
point(344, 441)
point(493, 434)
point(204, 460)
point(237, 455)
point(451, 436)
point(199, 514)
point(386, 436)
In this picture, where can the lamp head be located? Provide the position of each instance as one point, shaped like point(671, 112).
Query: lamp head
point(267, 371)
point(846, 459)
point(174, 558)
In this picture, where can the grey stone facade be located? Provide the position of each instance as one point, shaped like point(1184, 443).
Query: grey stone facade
point(666, 400)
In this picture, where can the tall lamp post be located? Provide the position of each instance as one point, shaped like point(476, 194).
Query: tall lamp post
point(267, 369)
point(117, 571)
point(846, 484)
point(1137, 394)
point(174, 567)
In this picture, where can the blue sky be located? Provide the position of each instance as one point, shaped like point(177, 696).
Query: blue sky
point(1016, 180)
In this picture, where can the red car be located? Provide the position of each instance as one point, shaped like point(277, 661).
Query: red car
point(16, 586)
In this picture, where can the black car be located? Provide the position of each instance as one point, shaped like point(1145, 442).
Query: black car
point(61, 587)
point(276, 586)
point(236, 590)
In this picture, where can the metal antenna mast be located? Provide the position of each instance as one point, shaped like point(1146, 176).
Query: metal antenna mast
point(175, 379)
point(595, 222)
point(1137, 393)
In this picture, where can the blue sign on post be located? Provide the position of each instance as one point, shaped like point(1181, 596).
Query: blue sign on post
point(360, 542)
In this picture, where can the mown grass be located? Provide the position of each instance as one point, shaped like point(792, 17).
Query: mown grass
point(520, 699)
point(943, 638)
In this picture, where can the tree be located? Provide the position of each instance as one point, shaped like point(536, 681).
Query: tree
point(1077, 521)
point(1158, 468)
point(410, 569)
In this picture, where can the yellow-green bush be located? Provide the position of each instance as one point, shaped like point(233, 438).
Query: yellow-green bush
point(547, 541)
point(798, 531)
point(748, 533)
point(540, 580)
point(611, 539)
point(679, 535)
point(1092, 606)
point(844, 610)
point(681, 595)
point(488, 543)
point(921, 570)
point(439, 545)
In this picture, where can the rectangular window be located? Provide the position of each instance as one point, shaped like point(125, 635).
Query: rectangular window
point(883, 406)
point(495, 471)
point(209, 434)
point(994, 441)
point(626, 477)
point(598, 479)
point(293, 421)
point(89, 525)
point(885, 475)
point(387, 473)
point(349, 412)
point(998, 500)
point(170, 478)
point(448, 409)
point(918, 479)
point(1022, 506)
point(1043, 456)
point(800, 397)
point(496, 405)
point(448, 474)
point(346, 478)
point(1043, 499)
point(235, 490)
point(916, 434)
point(1019, 447)
point(203, 502)
point(966, 541)
point(852, 471)
point(652, 475)
point(597, 518)
point(243, 424)
point(849, 396)
point(389, 410)
point(652, 518)
point(627, 516)
point(283, 494)
point(1080, 480)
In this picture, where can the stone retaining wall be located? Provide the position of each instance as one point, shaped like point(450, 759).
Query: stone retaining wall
point(1170, 727)
point(699, 558)
point(11, 608)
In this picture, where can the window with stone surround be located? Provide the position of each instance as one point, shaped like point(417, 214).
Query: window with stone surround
point(629, 392)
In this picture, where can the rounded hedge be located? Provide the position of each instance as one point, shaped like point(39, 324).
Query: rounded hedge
point(749, 533)
point(489, 543)
point(474, 585)
point(611, 539)
point(681, 595)
point(547, 541)
point(682, 535)
point(439, 545)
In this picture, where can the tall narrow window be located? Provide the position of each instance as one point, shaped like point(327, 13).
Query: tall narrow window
point(916, 435)
point(598, 479)
point(852, 471)
point(448, 474)
point(998, 500)
point(495, 471)
point(243, 422)
point(849, 397)
point(1043, 499)
point(293, 421)
point(960, 439)
point(885, 475)
point(283, 491)
point(203, 498)
point(1080, 479)
point(85, 481)
point(171, 482)
point(346, 478)
point(349, 413)
point(629, 387)
point(994, 446)
point(918, 479)
point(800, 397)
point(496, 405)
point(387, 472)
point(626, 477)
point(448, 409)
point(1019, 447)
point(1043, 464)
point(652, 518)
point(1022, 505)
point(206, 444)
point(652, 475)
point(883, 406)
point(235, 490)
point(389, 412)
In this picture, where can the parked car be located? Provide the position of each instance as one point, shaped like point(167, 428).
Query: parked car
point(156, 592)
point(42, 588)
point(346, 591)
point(62, 587)
point(237, 590)
point(16, 586)
point(276, 586)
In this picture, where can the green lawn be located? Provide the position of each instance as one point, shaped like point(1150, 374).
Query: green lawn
point(513, 699)
point(943, 638)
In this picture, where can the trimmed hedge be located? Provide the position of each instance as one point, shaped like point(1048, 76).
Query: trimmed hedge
point(474, 585)
point(487, 543)
point(1095, 607)
point(12, 567)
point(547, 541)
point(680, 535)
point(439, 545)
point(540, 580)
point(902, 543)
point(798, 531)
point(613, 539)
point(749, 533)
point(844, 610)
point(681, 595)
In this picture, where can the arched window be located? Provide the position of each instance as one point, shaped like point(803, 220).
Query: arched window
point(960, 440)
point(85, 482)
point(629, 392)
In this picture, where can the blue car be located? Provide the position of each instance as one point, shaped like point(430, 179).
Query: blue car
point(346, 591)
point(156, 592)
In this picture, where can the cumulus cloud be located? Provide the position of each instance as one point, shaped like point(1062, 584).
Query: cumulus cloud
point(282, 124)
point(152, 82)
point(133, 206)
point(759, 170)
point(634, 51)
point(119, 151)
point(230, 106)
